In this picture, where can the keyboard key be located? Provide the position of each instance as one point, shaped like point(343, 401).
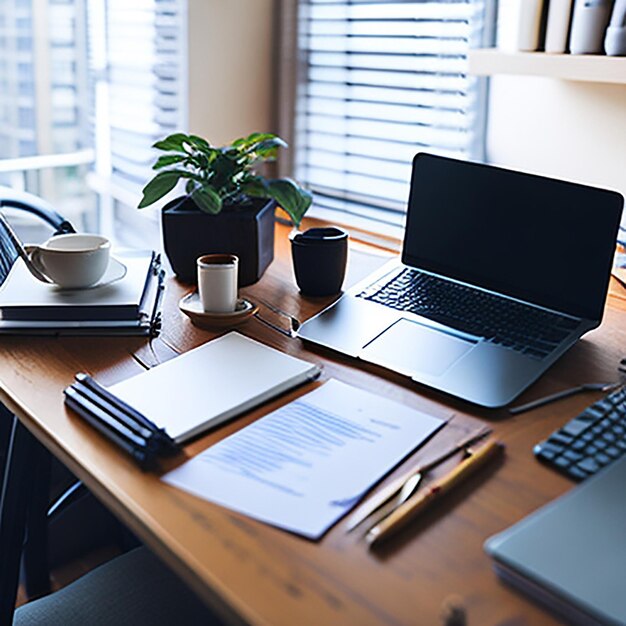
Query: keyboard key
point(604, 406)
point(602, 458)
point(614, 452)
point(560, 438)
point(539, 354)
point(554, 335)
point(568, 323)
point(594, 412)
point(575, 472)
point(548, 450)
point(589, 465)
point(573, 455)
point(574, 428)
point(562, 462)
point(548, 455)
point(586, 417)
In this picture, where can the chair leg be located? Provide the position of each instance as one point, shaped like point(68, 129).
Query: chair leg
point(23, 460)
point(6, 425)
point(35, 554)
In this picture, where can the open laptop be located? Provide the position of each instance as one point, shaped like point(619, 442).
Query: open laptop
point(501, 273)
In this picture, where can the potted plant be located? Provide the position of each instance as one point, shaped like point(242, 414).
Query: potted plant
point(228, 207)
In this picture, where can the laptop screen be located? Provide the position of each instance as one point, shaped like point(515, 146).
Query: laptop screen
point(538, 239)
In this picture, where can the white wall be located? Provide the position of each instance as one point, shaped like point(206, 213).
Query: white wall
point(566, 129)
point(230, 68)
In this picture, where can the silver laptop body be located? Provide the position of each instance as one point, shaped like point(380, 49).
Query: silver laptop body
point(570, 555)
point(520, 245)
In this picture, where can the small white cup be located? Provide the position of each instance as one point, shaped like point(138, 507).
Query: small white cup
point(217, 282)
point(74, 260)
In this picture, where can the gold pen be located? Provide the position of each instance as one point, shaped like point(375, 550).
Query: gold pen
point(411, 508)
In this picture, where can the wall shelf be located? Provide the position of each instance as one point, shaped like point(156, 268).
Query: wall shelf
point(588, 68)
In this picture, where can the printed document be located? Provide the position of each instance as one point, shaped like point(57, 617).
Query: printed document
point(305, 465)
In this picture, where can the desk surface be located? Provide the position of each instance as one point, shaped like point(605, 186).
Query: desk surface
point(254, 573)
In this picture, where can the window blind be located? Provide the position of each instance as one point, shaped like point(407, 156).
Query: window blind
point(380, 81)
point(138, 70)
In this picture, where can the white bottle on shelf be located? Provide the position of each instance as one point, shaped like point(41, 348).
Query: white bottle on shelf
point(557, 28)
point(615, 40)
point(518, 25)
point(589, 23)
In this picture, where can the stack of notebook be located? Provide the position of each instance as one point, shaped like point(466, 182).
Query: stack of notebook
point(129, 306)
point(213, 383)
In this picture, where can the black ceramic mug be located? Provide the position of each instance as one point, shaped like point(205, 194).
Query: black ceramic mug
point(319, 260)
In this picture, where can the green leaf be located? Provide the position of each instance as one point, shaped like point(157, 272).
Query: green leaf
point(256, 187)
point(191, 175)
point(190, 186)
point(200, 143)
point(176, 141)
point(248, 143)
point(256, 137)
point(168, 159)
point(207, 200)
point(270, 144)
point(267, 149)
point(294, 200)
point(160, 185)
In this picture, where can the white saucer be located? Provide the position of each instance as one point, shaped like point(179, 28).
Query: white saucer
point(115, 271)
point(191, 306)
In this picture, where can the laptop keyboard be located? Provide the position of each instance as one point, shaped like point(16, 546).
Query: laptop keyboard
point(590, 441)
point(508, 323)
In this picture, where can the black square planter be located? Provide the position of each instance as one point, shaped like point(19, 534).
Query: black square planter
point(247, 232)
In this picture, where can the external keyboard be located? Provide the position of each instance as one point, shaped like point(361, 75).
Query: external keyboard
point(509, 323)
point(591, 440)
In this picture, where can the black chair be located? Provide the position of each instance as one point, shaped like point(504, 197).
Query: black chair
point(35, 206)
point(37, 490)
point(134, 589)
point(36, 569)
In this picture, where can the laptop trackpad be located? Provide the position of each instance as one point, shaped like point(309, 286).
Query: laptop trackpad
point(409, 347)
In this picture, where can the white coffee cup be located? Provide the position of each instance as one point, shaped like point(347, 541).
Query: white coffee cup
point(75, 260)
point(217, 282)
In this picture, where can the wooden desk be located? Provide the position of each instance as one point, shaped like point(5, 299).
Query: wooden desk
point(253, 573)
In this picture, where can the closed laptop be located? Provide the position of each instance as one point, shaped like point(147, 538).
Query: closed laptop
point(571, 554)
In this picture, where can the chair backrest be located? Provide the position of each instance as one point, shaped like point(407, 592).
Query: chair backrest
point(37, 207)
